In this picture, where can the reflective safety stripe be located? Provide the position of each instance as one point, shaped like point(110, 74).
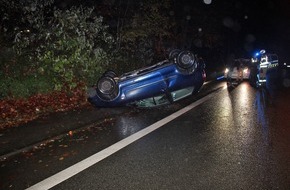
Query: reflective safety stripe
point(273, 65)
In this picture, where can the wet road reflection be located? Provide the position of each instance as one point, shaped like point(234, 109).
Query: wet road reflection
point(261, 103)
point(220, 144)
point(239, 133)
point(128, 126)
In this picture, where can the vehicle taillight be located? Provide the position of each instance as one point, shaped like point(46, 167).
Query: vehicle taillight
point(204, 75)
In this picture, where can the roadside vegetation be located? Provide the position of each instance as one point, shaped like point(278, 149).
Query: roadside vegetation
point(50, 54)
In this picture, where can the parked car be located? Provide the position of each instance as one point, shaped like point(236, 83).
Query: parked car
point(237, 71)
point(179, 76)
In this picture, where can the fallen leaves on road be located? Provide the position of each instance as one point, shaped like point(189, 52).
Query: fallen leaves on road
point(15, 112)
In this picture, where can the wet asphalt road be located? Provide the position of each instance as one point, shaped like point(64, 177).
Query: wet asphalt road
point(238, 139)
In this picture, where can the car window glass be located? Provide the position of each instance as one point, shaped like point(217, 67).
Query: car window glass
point(179, 94)
point(153, 101)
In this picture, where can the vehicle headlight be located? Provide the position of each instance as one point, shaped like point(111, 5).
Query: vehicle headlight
point(245, 70)
point(227, 70)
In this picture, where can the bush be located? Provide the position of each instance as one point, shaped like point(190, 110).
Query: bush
point(143, 38)
point(68, 46)
point(29, 85)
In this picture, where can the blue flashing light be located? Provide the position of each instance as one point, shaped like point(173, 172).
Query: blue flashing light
point(221, 77)
point(257, 54)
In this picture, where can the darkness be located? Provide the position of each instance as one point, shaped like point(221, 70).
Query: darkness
point(220, 30)
point(250, 25)
point(256, 23)
point(244, 26)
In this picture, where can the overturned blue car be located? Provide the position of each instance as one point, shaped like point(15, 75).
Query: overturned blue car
point(177, 77)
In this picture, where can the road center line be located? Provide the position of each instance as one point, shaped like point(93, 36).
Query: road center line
point(86, 163)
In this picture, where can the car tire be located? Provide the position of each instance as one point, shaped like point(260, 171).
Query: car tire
point(107, 88)
point(110, 73)
point(186, 60)
point(173, 54)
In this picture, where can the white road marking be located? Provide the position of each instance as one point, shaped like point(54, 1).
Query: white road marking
point(86, 163)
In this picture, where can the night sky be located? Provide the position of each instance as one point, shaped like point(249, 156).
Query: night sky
point(251, 24)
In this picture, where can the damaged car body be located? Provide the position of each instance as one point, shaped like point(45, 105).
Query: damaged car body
point(179, 76)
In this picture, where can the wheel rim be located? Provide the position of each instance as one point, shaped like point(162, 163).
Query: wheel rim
point(107, 88)
point(106, 85)
point(186, 60)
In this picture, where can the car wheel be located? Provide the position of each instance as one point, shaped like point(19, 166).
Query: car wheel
point(186, 60)
point(173, 54)
point(107, 88)
point(110, 73)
